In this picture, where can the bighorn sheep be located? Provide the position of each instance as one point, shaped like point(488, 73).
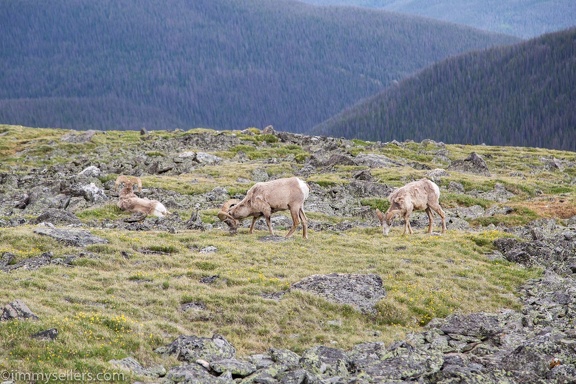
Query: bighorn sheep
point(223, 215)
point(132, 203)
point(417, 195)
point(266, 198)
point(128, 180)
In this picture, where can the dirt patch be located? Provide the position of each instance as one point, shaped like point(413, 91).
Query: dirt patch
point(552, 206)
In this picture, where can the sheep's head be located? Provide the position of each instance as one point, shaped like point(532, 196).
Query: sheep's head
point(224, 216)
point(385, 220)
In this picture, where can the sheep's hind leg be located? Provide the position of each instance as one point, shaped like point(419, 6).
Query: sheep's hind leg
point(295, 222)
point(430, 219)
point(304, 221)
point(438, 209)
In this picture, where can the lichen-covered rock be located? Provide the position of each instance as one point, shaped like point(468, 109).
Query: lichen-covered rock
point(73, 237)
point(31, 263)
point(474, 163)
point(326, 362)
point(192, 348)
point(193, 373)
point(236, 367)
point(17, 310)
point(57, 216)
point(404, 362)
point(359, 291)
point(132, 365)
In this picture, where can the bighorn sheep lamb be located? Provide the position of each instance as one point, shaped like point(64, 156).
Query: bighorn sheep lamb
point(417, 195)
point(122, 179)
point(266, 198)
point(132, 203)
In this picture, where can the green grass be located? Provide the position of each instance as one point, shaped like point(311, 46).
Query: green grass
point(111, 307)
point(124, 298)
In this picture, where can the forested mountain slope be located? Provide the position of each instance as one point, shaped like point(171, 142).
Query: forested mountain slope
point(524, 19)
point(521, 95)
point(223, 64)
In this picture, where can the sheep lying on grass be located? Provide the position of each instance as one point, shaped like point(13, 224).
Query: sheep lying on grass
point(128, 201)
point(122, 179)
point(417, 195)
point(266, 198)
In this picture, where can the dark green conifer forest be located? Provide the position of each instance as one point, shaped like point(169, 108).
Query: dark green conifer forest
point(521, 95)
point(223, 64)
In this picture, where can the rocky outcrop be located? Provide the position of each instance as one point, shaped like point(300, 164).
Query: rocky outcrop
point(359, 291)
point(17, 310)
point(474, 163)
point(73, 237)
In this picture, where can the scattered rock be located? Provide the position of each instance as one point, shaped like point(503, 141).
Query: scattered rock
point(195, 306)
point(192, 348)
point(472, 164)
point(57, 216)
point(376, 161)
point(132, 365)
point(47, 335)
point(17, 310)
point(84, 137)
point(91, 171)
point(359, 291)
point(31, 263)
point(73, 237)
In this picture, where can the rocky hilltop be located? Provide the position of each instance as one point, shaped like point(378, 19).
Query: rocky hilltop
point(56, 183)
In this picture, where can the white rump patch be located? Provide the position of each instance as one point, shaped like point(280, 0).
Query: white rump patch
point(436, 189)
point(304, 188)
point(160, 210)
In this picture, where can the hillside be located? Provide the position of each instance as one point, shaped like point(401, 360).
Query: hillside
point(87, 288)
point(522, 95)
point(517, 18)
point(222, 64)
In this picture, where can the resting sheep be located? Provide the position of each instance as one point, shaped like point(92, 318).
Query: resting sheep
point(417, 195)
point(128, 201)
point(266, 198)
point(122, 179)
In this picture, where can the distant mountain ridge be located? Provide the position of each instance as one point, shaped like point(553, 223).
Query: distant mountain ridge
point(518, 18)
point(223, 64)
point(521, 95)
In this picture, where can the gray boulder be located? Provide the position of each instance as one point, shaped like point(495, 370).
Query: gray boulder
point(73, 237)
point(192, 348)
point(474, 163)
point(17, 310)
point(360, 291)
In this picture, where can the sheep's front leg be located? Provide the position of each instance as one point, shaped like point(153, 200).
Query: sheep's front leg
point(269, 223)
point(254, 218)
point(407, 226)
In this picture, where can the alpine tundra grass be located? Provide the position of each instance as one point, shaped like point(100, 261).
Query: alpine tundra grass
point(126, 298)
point(112, 304)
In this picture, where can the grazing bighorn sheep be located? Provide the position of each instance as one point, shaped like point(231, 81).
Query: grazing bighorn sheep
point(132, 203)
point(223, 215)
point(417, 195)
point(128, 179)
point(266, 198)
